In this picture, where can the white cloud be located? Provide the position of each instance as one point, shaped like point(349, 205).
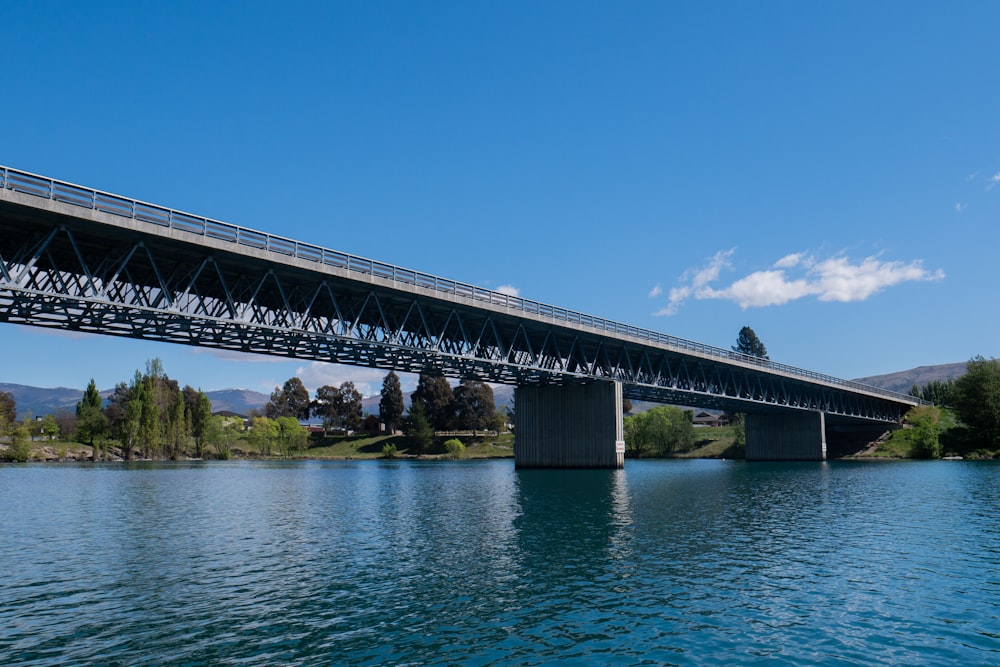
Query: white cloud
point(762, 288)
point(694, 280)
point(509, 290)
point(993, 180)
point(791, 261)
point(837, 279)
point(656, 291)
point(960, 206)
point(796, 276)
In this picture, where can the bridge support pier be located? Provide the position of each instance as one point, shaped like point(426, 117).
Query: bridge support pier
point(792, 436)
point(574, 426)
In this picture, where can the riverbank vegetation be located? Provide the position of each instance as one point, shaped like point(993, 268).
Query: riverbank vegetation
point(963, 420)
point(152, 417)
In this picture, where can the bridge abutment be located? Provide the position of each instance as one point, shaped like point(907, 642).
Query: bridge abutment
point(792, 436)
point(573, 426)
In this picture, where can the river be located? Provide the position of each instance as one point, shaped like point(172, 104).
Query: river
point(475, 563)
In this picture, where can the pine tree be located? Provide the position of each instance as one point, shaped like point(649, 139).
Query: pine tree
point(748, 343)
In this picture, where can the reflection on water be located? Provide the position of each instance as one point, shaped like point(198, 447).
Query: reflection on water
point(396, 562)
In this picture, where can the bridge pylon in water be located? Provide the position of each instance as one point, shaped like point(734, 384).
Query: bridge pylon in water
point(569, 426)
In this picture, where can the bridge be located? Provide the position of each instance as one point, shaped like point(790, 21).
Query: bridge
point(72, 257)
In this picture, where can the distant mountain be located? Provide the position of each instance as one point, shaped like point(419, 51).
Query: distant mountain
point(31, 401)
point(240, 401)
point(903, 381)
point(36, 401)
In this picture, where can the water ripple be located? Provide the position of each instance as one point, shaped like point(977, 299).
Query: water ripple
point(402, 563)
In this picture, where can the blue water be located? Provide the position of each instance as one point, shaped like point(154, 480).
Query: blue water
point(474, 563)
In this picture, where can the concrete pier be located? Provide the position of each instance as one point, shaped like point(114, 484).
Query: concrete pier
point(574, 426)
point(786, 436)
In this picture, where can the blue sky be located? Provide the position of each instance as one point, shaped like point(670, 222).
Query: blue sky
point(826, 173)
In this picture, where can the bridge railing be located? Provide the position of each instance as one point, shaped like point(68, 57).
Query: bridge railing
point(77, 195)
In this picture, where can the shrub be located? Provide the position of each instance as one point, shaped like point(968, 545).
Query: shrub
point(389, 451)
point(19, 449)
point(454, 448)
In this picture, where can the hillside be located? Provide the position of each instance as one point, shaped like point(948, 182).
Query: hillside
point(36, 401)
point(903, 381)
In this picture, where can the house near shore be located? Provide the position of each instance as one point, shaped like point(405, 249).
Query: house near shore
point(704, 418)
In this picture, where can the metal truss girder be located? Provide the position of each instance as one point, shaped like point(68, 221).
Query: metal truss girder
point(196, 296)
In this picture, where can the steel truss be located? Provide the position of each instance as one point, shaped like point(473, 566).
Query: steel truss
point(67, 275)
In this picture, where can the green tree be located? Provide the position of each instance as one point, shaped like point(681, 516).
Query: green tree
point(48, 427)
point(198, 414)
point(19, 449)
point(658, 431)
point(935, 391)
point(91, 422)
point(177, 428)
point(474, 405)
point(263, 433)
point(923, 434)
point(976, 399)
point(8, 412)
point(339, 407)
point(291, 435)
point(390, 406)
point(419, 432)
point(222, 433)
point(438, 398)
point(748, 343)
point(150, 425)
point(289, 400)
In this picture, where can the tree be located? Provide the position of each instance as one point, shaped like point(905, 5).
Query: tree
point(339, 407)
point(130, 424)
point(659, 431)
point(976, 399)
point(222, 433)
point(292, 436)
point(419, 432)
point(19, 449)
point(8, 411)
point(263, 432)
point(474, 405)
point(436, 395)
point(198, 414)
point(923, 436)
point(390, 406)
point(748, 343)
point(290, 400)
point(178, 427)
point(935, 391)
point(48, 427)
point(91, 422)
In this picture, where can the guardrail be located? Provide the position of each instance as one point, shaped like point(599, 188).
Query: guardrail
point(77, 195)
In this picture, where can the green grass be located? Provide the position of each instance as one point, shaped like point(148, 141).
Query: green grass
point(370, 447)
point(714, 442)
